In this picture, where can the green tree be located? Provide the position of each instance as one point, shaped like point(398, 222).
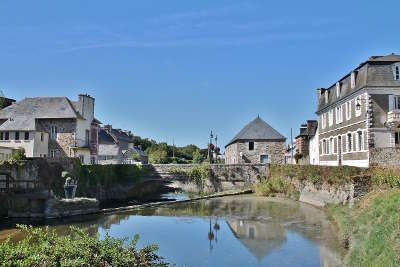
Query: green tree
point(158, 156)
point(197, 156)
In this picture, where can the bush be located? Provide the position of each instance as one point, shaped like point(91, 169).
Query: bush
point(275, 186)
point(198, 157)
point(385, 176)
point(158, 156)
point(43, 247)
point(18, 155)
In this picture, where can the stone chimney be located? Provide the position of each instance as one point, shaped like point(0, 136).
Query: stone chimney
point(108, 128)
point(86, 106)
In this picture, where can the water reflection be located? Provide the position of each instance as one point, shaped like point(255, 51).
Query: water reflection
point(231, 231)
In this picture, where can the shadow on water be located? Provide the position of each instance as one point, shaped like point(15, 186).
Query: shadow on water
point(229, 231)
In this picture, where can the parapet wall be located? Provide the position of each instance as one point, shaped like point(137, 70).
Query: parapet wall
point(386, 157)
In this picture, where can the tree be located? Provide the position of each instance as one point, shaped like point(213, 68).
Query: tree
point(197, 156)
point(158, 156)
point(18, 155)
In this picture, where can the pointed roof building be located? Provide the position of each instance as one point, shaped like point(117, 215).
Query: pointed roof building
point(258, 130)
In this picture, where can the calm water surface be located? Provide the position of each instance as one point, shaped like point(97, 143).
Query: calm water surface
point(229, 231)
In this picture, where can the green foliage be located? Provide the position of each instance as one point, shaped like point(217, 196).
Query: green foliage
point(372, 229)
point(158, 156)
point(297, 157)
point(275, 186)
point(43, 247)
point(316, 174)
point(385, 177)
point(198, 157)
point(92, 177)
point(18, 155)
point(197, 174)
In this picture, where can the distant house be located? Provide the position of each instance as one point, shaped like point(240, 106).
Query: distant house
point(313, 150)
point(257, 142)
point(290, 152)
point(306, 132)
point(6, 153)
point(116, 146)
point(53, 127)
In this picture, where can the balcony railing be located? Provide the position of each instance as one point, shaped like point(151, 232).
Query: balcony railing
point(393, 117)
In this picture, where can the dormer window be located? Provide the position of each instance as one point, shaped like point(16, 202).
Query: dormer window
point(353, 79)
point(338, 89)
point(396, 72)
point(326, 96)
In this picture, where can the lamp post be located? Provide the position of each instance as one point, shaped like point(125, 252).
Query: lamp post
point(209, 146)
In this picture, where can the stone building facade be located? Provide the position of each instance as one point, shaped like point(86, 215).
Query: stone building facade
point(52, 127)
point(359, 115)
point(256, 143)
point(306, 132)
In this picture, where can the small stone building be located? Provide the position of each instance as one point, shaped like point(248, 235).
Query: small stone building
point(257, 142)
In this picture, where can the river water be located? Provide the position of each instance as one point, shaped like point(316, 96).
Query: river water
point(228, 231)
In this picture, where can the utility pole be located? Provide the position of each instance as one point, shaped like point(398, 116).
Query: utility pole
point(291, 140)
point(209, 146)
point(216, 148)
point(173, 147)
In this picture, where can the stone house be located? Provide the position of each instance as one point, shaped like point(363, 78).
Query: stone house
point(359, 115)
point(306, 132)
point(257, 142)
point(116, 146)
point(52, 127)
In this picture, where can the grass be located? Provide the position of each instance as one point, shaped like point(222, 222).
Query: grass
point(371, 229)
point(275, 186)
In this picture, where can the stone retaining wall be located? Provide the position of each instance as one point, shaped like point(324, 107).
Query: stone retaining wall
point(388, 157)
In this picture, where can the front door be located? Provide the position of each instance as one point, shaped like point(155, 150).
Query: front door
point(339, 146)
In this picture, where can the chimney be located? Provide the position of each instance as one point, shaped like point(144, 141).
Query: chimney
point(86, 106)
point(108, 128)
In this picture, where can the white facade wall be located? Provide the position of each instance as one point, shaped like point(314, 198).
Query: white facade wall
point(314, 149)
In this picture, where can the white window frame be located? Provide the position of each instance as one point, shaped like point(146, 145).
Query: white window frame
point(360, 143)
point(396, 103)
point(358, 100)
point(323, 120)
point(396, 71)
point(353, 80)
point(348, 110)
point(339, 114)
point(330, 117)
point(338, 89)
point(53, 132)
point(326, 95)
point(53, 153)
point(349, 145)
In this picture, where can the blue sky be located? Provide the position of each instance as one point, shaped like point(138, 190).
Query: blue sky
point(174, 70)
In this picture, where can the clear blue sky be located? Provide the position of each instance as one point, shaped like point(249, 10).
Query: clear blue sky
point(176, 69)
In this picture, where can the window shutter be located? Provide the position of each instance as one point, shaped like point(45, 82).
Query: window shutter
point(394, 71)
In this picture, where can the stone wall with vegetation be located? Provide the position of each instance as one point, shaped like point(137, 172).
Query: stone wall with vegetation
point(210, 178)
point(389, 157)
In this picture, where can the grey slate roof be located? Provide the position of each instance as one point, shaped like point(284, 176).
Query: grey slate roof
point(41, 108)
point(257, 129)
point(18, 124)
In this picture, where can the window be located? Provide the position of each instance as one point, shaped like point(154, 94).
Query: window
point(359, 141)
point(1, 136)
point(42, 137)
point(26, 136)
point(348, 110)
point(338, 89)
point(6, 136)
point(53, 153)
point(397, 102)
point(397, 138)
point(82, 158)
point(353, 79)
point(330, 117)
point(349, 142)
point(335, 145)
point(326, 96)
point(53, 132)
point(323, 120)
point(396, 74)
point(358, 103)
point(92, 160)
point(264, 159)
point(331, 146)
point(87, 137)
point(16, 135)
point(324, 147)
point(339, 114)
point(251, 146)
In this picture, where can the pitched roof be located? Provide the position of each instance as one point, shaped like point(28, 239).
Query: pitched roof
point(41, 108)
point(388, 58)
point(18, 124)
point(115, 136)
point(257, 129)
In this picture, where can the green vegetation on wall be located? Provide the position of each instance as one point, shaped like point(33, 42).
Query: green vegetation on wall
point(43, 247)
point(91, 177)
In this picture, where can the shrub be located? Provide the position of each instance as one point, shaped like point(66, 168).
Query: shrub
point(385, 176)
point(18, 155)
point(275, 186)
point(43, 247)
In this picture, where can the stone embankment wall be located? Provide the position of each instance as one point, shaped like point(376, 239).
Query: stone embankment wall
point(388, 157)
point(221, 177)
